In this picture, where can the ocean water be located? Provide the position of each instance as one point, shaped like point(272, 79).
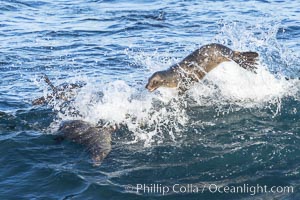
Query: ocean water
point(233, 129)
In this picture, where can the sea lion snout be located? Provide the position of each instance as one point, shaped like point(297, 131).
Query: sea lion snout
point(154, 82)
point(150, 88)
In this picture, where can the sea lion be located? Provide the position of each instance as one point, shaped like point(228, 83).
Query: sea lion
point(63, 92)
point(96, 139)
point(196, 65)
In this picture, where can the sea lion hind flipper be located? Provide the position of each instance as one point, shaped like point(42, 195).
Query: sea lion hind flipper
point(247, 60)
point(47, 80)
point(43, 100)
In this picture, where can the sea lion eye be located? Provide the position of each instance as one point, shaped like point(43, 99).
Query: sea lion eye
point(155, 82)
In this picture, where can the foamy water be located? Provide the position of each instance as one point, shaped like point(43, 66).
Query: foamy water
point(148, 115)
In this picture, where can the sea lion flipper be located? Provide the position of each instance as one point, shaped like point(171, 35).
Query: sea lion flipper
point(47, 80)
point(62, 92)
point(43, 100)
point(247, 60)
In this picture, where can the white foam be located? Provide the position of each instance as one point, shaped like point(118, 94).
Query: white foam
point(237, 83)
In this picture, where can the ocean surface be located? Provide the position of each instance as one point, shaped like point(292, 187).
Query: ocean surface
point(235, 129)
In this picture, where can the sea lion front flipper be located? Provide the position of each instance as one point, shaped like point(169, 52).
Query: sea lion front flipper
point(247, 60)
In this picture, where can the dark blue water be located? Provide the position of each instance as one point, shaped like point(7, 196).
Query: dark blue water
point(233, 129)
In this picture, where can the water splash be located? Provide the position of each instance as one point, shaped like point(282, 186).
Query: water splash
point(161, 116)
point(262, 37)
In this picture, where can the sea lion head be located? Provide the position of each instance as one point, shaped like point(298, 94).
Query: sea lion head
point(162, 79)
point(154, 82)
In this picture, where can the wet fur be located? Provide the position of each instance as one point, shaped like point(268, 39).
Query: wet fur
point(97, 140)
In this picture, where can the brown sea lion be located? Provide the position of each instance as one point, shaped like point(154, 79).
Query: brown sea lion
point(196, 65)
point(63, 92)
point(96, 139)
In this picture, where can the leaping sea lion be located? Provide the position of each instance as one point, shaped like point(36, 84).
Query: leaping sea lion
point(96, 139)
point(196, 65)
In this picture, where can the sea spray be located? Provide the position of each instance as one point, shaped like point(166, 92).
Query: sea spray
point(165, 115)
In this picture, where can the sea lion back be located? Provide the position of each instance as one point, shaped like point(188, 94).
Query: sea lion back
point(97, 140)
